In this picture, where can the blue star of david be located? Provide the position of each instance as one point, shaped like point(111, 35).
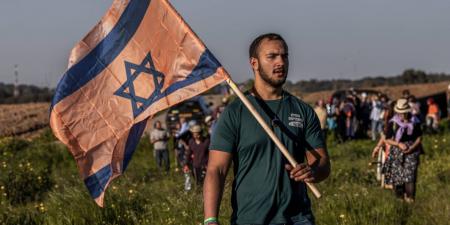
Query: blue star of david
point(129, 83)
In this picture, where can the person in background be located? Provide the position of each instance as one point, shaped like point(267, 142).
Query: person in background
point(179, 147)
point(365, 111)
point(405, 94)
point(386, 105)
point(332, 114)
point(376, 117)
point(219, 109)
point(341, 122)
point(385, 148)
point(184, 127)
point(182, 136)
point(159, 138)
point(197, 153)
point(180, 152)
point(322, 115)
point(349, 113)
point(213, 124)
point(415, 106)
point(405, 136)
point(209, 122)
point(448, 103)
point(356, 101)
point(432, 117)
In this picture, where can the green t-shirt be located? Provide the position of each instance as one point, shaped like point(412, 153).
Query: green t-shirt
point(262, 191)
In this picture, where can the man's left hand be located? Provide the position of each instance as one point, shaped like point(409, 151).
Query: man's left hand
point(302, 172)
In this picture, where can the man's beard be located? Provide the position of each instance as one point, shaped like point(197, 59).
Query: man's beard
point(272, 82)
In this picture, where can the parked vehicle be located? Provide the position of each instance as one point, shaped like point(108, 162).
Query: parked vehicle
point(193, 109)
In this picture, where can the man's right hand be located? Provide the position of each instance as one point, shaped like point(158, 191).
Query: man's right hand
point(302, 172)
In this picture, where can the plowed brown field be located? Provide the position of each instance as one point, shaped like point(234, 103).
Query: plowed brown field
point(23, 119)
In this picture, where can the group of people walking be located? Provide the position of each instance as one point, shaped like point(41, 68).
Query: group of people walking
point(396, 125)
point(363, 116)
point(353, 116)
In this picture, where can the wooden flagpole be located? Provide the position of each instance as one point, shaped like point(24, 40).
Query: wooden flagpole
point(269, 131)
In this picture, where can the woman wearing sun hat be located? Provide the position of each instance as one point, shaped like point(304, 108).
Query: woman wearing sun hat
point(405, 136)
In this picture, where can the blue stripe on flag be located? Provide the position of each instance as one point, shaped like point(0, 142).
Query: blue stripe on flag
point(106, 51)
point(96, 183)
point(133, 139)
point(206, 67)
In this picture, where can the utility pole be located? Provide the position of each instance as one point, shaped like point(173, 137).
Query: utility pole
point(16, 83)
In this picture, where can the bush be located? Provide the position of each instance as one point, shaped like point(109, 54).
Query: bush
point(24, 176)
point(23, 183)
point(9, 146)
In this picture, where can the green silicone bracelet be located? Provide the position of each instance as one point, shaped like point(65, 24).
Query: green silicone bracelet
point(209, 220)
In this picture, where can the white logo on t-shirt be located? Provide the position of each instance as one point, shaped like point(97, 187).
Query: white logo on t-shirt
point(295, 120)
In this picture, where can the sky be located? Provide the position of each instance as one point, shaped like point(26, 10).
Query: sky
point(328, 39)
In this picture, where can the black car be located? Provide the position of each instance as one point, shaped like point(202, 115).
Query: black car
point(190, 110)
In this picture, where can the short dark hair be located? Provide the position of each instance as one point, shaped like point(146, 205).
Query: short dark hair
point(253, 50)
point(156, 122)
point(406, 92)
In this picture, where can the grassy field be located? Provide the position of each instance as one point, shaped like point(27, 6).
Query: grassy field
point(39, 184)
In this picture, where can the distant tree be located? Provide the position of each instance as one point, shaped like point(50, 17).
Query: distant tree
point(28, 93)
point(409, 76)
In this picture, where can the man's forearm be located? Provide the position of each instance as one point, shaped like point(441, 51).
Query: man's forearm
point(212, 191)
point(319, 162)
point(322, 170)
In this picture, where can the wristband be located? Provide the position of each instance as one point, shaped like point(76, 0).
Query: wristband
point(210, 220)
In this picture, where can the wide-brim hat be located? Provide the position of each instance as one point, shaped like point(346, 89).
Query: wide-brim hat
point(196, 129)
point(402, 106)
point(208, 119)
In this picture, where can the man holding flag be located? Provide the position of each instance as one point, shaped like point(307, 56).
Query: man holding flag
point(266, 189)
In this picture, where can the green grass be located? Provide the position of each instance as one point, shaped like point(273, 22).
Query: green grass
point(40, 185)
